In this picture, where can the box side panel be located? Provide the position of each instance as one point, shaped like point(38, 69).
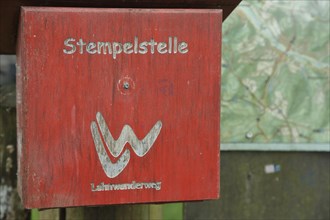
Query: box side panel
point(20, 106)
point(220, 66)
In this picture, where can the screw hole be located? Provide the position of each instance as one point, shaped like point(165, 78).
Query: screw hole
point(126, 85)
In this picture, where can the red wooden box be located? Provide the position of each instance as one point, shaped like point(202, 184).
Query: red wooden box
point(118, 105)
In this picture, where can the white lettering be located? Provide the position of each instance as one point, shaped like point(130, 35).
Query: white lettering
point(67, 43)
point(117, 48)
point(81, 43)
point(136, 43)
point(152, 44)
point(104, 45)
point(172, 46)
point(128, 48)
point(161, 48)
point(91, 48)
point(143, 48)
point(125, 186)
point(169, 45)
point(183, 47)
point(175, 49)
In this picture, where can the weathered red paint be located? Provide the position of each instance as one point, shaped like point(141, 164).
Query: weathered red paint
point(59, 95)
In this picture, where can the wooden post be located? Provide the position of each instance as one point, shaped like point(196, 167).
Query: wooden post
point(7, 155)
point(116, 212)
point(10, 205)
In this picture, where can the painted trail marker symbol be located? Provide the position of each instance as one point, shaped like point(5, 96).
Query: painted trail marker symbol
point(127, 135)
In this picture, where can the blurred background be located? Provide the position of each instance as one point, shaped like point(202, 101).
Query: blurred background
point(274, 123)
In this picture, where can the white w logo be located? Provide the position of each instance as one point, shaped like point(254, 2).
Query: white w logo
point(127, 135)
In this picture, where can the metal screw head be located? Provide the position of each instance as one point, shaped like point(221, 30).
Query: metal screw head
point(126, 85)
point(249, 135)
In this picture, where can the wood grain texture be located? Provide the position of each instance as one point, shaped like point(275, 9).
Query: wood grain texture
point(9, 11)
point(59, 95)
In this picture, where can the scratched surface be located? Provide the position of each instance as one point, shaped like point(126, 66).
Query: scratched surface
point(127, 121)
point(275, 78)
